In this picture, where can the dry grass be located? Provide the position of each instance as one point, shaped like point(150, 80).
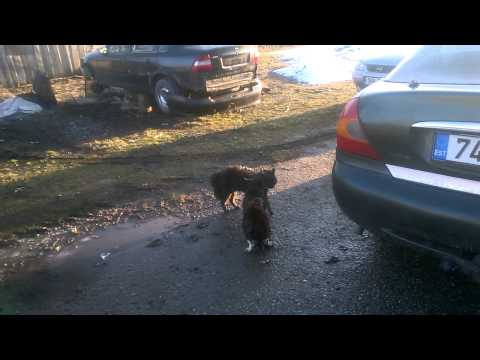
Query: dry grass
point(154, 149)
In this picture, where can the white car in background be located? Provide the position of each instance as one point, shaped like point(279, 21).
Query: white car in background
point(373, 68)
point(376, 62)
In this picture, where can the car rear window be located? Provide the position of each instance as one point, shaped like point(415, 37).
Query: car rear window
point(440, 64)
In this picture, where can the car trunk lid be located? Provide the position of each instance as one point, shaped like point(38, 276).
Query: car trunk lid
point(230, 67)
point(409, 127)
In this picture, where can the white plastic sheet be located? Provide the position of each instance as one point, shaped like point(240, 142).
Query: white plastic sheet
point(17, 105)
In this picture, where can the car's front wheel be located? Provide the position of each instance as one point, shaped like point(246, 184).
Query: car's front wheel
point(163, 91)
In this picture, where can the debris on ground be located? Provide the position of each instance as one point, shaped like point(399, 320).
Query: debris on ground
point(332, 260)
point(16, 105)
point(343, 248)
point(87, 100)
point(359, 230)
point(104, 255)
point(155, 243)
point(193, 238)
point(449, 266)
point(5, 243)
point(43, 90)
point(202, 225)
point(365, 235)
point(88, 238)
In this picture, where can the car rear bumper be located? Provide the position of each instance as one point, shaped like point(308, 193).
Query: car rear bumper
point(424, 215)
point(248, 96)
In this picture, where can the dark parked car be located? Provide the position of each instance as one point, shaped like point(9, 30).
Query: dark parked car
point(180, 77)
point(408, 153)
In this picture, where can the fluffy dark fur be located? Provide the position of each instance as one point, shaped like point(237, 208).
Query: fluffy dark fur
point(234, 178)
point(256, 218)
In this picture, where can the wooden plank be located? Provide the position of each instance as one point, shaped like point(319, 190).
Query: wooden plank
point(7, 67)
point(46, 60)
point(75, 58)
point(63, 56)
point(71, 63)
point(38, 58)
point(63, 61)
point(57, 61)
point(6, 78)
point(31, 65)
point(57, 66)
point(12, 70)
point(3, 77)
point(71, 66)
point(28, 64)
point(49, 61)
point(20, 68)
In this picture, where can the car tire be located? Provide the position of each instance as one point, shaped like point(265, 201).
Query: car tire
point(162, 91)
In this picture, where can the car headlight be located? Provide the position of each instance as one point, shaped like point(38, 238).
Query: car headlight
point(361, 67)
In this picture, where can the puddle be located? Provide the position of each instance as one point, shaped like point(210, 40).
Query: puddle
point(78, 264)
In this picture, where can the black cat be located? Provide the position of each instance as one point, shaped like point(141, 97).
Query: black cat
point(256, 219)
point(233, 178)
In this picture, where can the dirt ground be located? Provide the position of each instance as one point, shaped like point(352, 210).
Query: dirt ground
point(67, 172)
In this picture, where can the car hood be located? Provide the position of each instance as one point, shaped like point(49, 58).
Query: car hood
point(390, 59)
point(390, 55)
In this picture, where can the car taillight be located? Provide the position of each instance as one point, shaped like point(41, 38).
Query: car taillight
point(350, 135)
point(202, 64)
point(254, 57)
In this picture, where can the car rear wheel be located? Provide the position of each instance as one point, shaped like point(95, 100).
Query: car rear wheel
point(163, 91)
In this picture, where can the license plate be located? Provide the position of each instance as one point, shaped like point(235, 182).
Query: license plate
point(235, 60)
point(458, 148)
point(226, 82)
point(370, 80)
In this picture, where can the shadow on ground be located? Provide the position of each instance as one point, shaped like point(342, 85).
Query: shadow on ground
point(200, 267)
point(97, 184)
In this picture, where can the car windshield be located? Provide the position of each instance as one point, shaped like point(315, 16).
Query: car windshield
point(440, 64)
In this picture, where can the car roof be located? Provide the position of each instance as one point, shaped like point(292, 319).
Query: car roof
point(386, 54)
point(440, 64)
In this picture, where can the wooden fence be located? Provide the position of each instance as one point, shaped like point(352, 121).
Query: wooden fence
point(18, 63)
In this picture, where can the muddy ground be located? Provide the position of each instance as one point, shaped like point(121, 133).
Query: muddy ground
point(93, 162)
point(196, 264)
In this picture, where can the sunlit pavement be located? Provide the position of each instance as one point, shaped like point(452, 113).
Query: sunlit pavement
point(319, 265)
